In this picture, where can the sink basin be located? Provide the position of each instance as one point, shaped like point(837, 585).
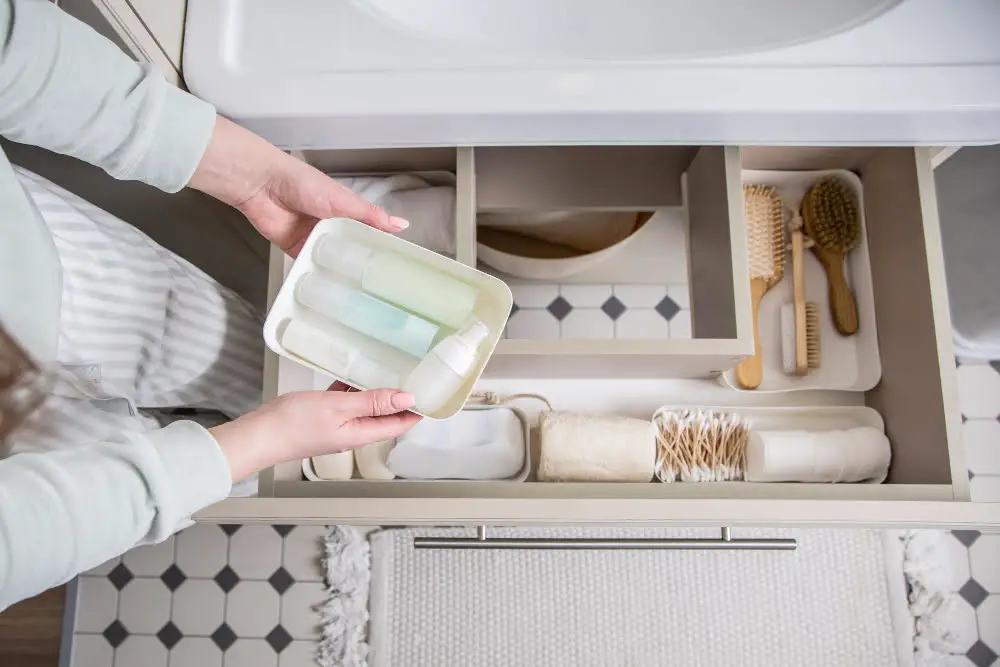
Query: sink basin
point(623, 29)
point(377, 73)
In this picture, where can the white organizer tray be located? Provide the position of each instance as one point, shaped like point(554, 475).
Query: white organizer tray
point(492, 307)
point(848, 363)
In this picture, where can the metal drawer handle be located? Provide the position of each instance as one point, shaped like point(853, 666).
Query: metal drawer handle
point(726, 541)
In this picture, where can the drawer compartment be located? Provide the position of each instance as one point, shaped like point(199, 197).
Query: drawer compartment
point(670, 299)
point(916, 397)
point(917, 392)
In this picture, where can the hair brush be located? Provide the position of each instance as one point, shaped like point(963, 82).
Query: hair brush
point(766, 257)
point(832, 220)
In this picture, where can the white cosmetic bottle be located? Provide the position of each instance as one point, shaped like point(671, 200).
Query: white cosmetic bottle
point(407, 283)
point(336, 357)
point(366, 314)
point(449, 364)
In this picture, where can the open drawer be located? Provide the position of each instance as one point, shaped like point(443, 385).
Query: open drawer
point(928, 483)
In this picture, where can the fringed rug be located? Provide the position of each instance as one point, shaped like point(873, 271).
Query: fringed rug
point(844, 597)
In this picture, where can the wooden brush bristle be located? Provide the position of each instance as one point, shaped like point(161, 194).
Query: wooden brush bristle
point(812, 334)
point(765, 232)
point(831, 215)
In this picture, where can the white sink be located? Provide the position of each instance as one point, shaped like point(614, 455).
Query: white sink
point(610, 29)
point(378, 73)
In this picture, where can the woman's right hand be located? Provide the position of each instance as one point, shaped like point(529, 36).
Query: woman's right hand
point(310, 423)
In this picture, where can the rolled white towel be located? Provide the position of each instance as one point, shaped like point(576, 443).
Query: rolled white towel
point(855, 455)
point(578, 447)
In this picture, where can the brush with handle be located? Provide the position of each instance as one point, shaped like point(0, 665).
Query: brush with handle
point(799, 318)
point(766, 257)
point(832, 220)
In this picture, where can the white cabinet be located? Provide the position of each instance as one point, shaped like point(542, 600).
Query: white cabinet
point(928, 484)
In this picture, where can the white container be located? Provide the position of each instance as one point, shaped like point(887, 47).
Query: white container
point(815, 419)
point(329, 467)
point(492, 307)
point(376, 470)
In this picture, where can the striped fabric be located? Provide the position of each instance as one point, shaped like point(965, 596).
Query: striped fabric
point(140, 328)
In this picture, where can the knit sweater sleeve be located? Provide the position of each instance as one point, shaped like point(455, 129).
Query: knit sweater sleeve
point(66, 88)
point(67, 511)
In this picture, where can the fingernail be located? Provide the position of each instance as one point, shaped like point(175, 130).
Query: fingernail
point(397, 223)
point(402, 400)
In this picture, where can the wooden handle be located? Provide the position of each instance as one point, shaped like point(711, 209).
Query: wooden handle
point(751, 371)
point(843, 308)
point(799, 303)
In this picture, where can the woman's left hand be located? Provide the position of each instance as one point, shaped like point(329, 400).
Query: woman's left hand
point(310, 423)
point(282, 196)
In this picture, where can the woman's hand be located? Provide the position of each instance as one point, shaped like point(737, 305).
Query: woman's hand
point(282, 196)
point(309, 423)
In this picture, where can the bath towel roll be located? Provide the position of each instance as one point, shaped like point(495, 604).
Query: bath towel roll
point(579, 447)
point(855, 455)
point(372, 458)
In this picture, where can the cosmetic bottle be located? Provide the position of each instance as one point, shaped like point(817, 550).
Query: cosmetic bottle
point(337, 357)
point(446, 367)
point(366, 314)
point(405, 282)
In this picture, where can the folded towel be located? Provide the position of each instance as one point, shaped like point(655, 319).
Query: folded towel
point(430, 209)
point(474, 444)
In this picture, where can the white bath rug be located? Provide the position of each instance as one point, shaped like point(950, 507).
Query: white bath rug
point(840, 599)
point(344, 613)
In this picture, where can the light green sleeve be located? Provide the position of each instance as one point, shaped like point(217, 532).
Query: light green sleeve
point(64, 512)
point(66, 88)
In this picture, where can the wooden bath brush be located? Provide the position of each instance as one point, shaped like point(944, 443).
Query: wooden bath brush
point(766, 254)
point(832, 220)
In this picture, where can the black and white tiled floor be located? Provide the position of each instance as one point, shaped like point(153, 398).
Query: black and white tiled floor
point(211, 596)
point(976, 556)
point(979, 399)
point(221, 596)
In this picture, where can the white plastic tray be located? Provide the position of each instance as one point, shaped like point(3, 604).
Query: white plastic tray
point(310, 473)
point(492, 307)
point(848, 363)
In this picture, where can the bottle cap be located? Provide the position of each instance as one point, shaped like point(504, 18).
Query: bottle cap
point(460, 351)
